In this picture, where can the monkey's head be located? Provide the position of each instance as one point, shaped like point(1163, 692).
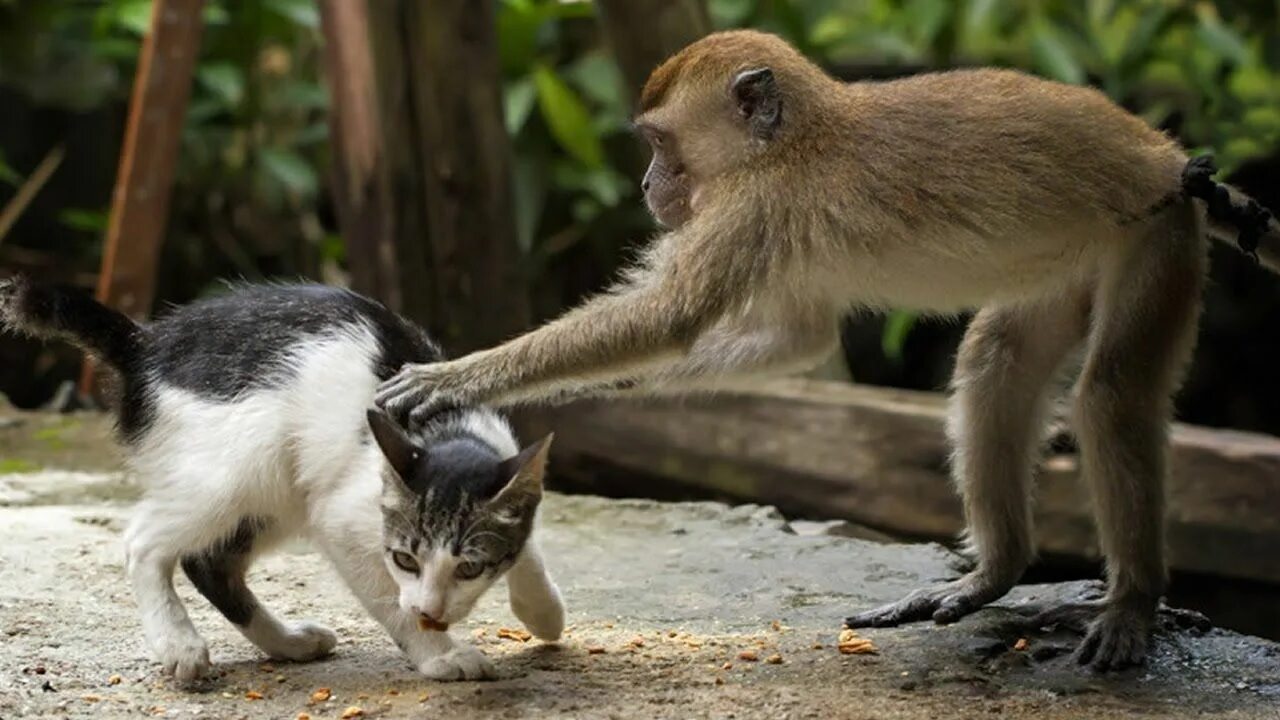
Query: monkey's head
point(727, 101)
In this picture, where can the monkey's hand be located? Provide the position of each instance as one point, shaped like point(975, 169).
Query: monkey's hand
point(418, 392)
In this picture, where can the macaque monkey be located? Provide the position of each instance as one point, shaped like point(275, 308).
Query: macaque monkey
point(790, 198)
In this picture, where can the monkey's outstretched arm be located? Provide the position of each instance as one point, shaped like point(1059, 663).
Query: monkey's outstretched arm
point(690, 279)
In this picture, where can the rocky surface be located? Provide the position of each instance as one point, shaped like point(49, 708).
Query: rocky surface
point(664, 601)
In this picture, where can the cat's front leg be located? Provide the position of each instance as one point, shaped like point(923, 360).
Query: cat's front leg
point(535, 599)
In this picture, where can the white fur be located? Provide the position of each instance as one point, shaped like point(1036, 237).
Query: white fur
point(291, 454)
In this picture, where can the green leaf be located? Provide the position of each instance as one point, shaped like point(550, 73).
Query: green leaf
point(1216, 35)
point(133, 16)
point(517, 102)
point(289, 169)
point(94, 221)
point(1053, 56)
point(896, 329)
point(301, 12)
point(730, 13)
point(8, 175)
point(224, 80)
point(303, 94)
point(567, 117)
point(530, 197)
point(14, 466)
point(598, 77)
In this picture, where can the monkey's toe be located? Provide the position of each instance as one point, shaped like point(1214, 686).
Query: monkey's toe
point(1115, 641)
point(944, 604)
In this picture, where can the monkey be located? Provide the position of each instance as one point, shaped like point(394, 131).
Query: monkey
point(787, 198)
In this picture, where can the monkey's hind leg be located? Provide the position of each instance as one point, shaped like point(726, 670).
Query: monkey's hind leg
point(1148, 303)
point(1007, 360)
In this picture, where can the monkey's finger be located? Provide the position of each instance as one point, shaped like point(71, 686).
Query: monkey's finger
point(1088, 648)
point(912, 608)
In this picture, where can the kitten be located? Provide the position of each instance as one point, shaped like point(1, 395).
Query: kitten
point(244, 417)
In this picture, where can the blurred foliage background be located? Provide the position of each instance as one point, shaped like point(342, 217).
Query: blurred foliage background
point(251, 198)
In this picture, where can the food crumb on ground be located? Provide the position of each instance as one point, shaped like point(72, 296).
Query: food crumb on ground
point(303, 716)
point(321, 695)
point(748, 655)
point(352, 712)
point(253, 695)
point(514, 634)
point(774, 659)
point(1021, 644)
point(115, 680)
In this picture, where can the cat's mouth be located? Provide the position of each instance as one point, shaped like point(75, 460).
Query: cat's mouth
point(426, 622)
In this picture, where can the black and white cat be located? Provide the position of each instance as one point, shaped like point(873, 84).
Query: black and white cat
point(245, 418)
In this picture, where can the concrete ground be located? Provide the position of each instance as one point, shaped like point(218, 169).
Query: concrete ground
point(667, 604)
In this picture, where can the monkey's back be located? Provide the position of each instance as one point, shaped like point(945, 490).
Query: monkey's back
point(977, 171)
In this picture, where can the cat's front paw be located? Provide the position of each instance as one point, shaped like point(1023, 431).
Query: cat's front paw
point(461, 663)
point(186, 661)
point(304, 641)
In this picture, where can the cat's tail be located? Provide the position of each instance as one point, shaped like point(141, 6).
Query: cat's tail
point(49, 311)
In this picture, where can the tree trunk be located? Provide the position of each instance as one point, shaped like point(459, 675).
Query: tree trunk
point(443, 165)
point(643, 33)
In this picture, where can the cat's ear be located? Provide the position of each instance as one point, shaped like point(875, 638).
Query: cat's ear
point(397, 447)
point(524, 473)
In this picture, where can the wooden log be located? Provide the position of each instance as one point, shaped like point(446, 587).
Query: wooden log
point(144, 180)
point(643, 33)
point(157, 109)
point(448, 160)
point(879, 457)
point(361, 183)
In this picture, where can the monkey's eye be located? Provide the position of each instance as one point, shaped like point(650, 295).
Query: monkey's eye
point(405, 562)
point(468, 570)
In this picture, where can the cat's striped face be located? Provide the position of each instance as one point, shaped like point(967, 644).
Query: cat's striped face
point(446, 549)
point(456, 516)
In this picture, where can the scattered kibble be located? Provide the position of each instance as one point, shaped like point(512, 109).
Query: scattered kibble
point(850, 644)
point(253, 695)
point(115, 680)
point(637, 641)
point(321, 695)
point(303, 716)
point(424, 697)
point(1021, 644)
point(774, 659)
point(513, 634)
point(727, 666)
point(352, 712)
point(748, 655)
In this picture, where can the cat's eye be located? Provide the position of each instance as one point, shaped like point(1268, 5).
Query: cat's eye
point(405, 562)
point(468, 570)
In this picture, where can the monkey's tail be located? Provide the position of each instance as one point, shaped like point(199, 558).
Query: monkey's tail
point(1232, 214)
point(47, 311)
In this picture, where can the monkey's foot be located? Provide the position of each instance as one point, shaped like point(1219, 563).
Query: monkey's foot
point(944, 604)
point(1116, 635)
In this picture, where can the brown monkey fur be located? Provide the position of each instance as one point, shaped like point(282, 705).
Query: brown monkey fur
point(792, 198)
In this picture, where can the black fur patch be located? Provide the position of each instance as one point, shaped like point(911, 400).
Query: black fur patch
point(218, 572)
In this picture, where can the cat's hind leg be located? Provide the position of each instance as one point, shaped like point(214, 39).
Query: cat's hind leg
point(153, 544)
point(535, 599)
point(218, 572)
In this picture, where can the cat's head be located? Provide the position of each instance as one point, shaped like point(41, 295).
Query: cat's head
point(455, 515)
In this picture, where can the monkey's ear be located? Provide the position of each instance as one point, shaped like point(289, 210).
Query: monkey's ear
point(759, 103)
